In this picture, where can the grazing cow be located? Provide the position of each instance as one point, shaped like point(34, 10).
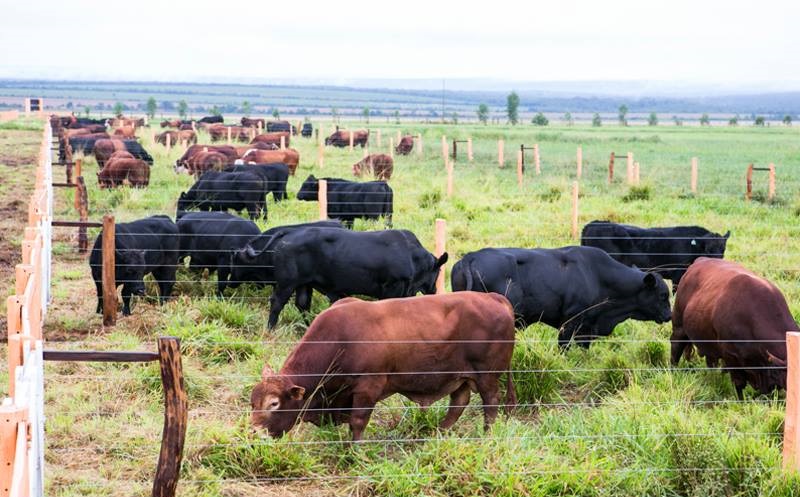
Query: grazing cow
point(176, 137)
point(405, 146)
point(210, 239)
point(254, 262)
point(581, 291)
point(289, 156)
point(83, 144)
point(254, 123)
point(340, 263)
point(120, 154)
point(171, 124)
point(272, 139)
point(349, 200)
point(275, 176)
point(242, 150)
point(307, 130)
point(220, 191)
point(82, 131)
point(341, 138)
point(228, 151)
point(736, 317)
point(666, 250)
point(103, 149)
point(219, 132)
point(211, 120)
point(279, 127)
point(116, 171)
point(125, 132)
point(380, 165)
point(357, 353)
point(205, 161)
point(145, 246)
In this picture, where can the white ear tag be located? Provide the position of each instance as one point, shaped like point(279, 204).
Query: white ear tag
point(694, 242)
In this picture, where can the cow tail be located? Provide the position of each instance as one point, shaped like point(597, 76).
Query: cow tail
point(468, 275)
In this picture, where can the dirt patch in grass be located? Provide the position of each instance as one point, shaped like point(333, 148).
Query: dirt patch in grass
point(17, 162)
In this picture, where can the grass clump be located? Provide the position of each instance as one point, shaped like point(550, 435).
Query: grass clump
point(637, 193)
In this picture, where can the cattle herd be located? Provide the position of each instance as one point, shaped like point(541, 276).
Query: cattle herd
point(426, 347)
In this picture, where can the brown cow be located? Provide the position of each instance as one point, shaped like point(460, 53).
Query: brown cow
point(220, 133)
point(290, 157)
point(205, 161)
point(120, 154)
point(103, 149)
point(116, 171)
point(257, 145)
point(253, 123)
point(272, 138)
point(381, 165)
point(125, 132)
point(405, 146)
point(177, 137)
point(341, 138)
point(734, 316)
point(358, 353)
point(228, 151)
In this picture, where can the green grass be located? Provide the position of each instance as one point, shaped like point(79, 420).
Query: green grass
point(613, 420)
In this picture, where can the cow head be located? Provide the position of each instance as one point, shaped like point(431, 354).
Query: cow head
point(425, 280)
point(714, 245)
point(652, 299)
point(275, 402)
point(309, 190)
point(774, 377)
point(130, 269)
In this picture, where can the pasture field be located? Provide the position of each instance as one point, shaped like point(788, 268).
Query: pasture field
point(612, 420)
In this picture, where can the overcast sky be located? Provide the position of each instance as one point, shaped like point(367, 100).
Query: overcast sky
point(693, 41)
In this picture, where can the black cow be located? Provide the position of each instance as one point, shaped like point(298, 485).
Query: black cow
point(79, 144)
point(135, 148)
point(669, 251)
point(307, 130)
point(581, 291)
point(277, 126)
point(211, 119)
point(145, 246)
point(254, 263)
point(209, 239)
point(275, 176)
point(348, 200)
point(340, 263)
point(220, 191)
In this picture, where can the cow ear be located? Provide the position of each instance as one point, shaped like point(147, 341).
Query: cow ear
point(266, 372)
point(649, 280)
point(441, 261)
point(777, 361)
point(296, 393)
point(726, 235)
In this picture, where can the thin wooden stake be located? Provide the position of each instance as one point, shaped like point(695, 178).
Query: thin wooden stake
point(791, 423)
point(351, 140)
point(283, 142)
point(536, 162)
point(579, 158)
point(771, 194)
point(109, 272)
point(391, 147)
point(611, 168)
point(748, 194)
point(469, 149)
point(575, 193)
point(441, 247)
point(77, 170)
point(169, 141)
point(500, 149)
point(399, 136)
point(322, 199)
point(630, 167)
point(321, 155)
point(229, 135)
point(176, 415)
point(444, 149)
point(419, 145)
point(82, 201)
point(519, 168)
point(694, 175)
point(636, 173)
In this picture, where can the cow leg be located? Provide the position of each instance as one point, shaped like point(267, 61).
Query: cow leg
point(458, 402)
point(302, 298)
point(364, 400)
point(679, 342)
point(739, 382)
point(489, 389)
point(165, 276)
point(276, 303)
point(223, 271)
point(99, 287)
point(126, 300)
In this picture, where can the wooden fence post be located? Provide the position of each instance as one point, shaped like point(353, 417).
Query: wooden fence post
point(399, 136)
point(611, 168)
point(78, 171)
point(500, 147)
point(176, 414)
point(449, 177)
point(351, 140)
point(579, 158)
point(536, 162)
point(749, 188)
point(441, 247)
point(771, 193)
point(322, 199)
point(636, 173)
point(694, 175)
point(229, 135)
point(444, 149)
point(283, 142)
point(469, 150)
point(575, 193)
point(82, 201)
point(419, 144)
point(109, 272)
point(791, 423)
point(520, 171)
point(630, 167)
point(391, 147)
point(321, 155)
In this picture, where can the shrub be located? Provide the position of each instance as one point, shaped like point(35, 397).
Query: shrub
point(637, 193)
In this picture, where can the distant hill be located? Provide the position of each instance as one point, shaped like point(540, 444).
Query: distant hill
point(312, 100)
